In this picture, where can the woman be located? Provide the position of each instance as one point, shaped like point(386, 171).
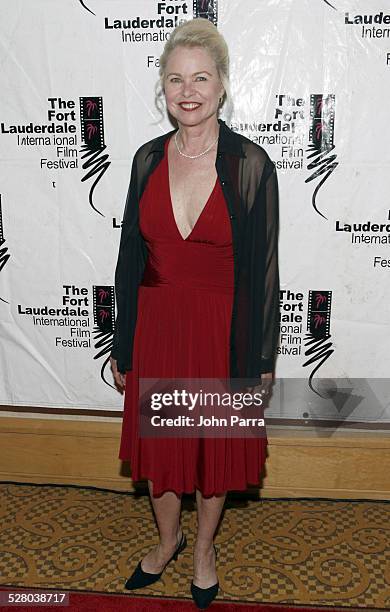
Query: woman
point(197, 289)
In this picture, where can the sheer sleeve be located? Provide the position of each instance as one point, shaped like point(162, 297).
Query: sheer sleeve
point(132, 257)
point(126, 276)
point(270, 335)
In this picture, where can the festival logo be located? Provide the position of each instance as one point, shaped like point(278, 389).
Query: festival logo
point(317, 339)
point(92, 136)
point(291, 323)
point(156, 20)
point(321, 142)
point(4, 255)
point(104, 323)
point(58, 135)
point(69, 322)
point(296, 124)
point(208, 9)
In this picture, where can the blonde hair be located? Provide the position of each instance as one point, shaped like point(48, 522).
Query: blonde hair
point(198, 32)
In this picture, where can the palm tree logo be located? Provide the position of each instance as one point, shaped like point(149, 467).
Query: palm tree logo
point(90, 106)
point(103, 294)
point(320, 299)
point(318, 130)
point(318, 320)
point(319, 105)
point(103, 315)
point(92, 130)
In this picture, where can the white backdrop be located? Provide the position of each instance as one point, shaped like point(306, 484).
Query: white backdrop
point(310, 83)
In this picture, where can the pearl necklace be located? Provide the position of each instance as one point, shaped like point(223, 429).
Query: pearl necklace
point(199, 154)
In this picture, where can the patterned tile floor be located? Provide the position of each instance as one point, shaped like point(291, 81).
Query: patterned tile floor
point(296, 551)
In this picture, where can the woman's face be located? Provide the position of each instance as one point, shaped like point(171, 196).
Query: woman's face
point(192, 85)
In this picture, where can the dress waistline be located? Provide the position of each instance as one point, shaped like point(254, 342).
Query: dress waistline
point(190, 287)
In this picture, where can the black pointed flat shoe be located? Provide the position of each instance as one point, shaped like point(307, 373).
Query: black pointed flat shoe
point(204, 597)
point(140, 579)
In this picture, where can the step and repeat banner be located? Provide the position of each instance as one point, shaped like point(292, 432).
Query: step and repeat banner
point(310, 81)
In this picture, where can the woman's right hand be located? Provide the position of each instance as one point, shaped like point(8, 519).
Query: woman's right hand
point(120, 379)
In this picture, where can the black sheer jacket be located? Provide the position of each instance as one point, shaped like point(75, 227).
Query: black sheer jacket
point(249, 183)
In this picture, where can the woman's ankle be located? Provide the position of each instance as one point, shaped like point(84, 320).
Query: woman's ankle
point(203, 548)
point(173, 542)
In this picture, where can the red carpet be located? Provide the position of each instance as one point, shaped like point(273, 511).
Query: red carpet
point(93, 602)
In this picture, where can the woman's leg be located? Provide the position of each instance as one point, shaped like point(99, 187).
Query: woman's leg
point(209, 510)
point(167, 512)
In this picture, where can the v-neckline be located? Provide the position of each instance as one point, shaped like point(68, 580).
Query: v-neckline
point(171, 204)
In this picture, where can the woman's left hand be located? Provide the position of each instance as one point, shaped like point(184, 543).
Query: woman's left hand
point(265, 384)
point(267, 375)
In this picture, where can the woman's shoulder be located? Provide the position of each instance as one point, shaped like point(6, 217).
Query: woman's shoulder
point(253, 152)
point(154, 144)
point(257, 159)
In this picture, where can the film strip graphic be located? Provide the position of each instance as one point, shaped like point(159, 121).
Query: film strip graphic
point(321, 158)
point(91, 118)
point(318, 313)
point(208, 9)
point(322, 112)
point(103, 307)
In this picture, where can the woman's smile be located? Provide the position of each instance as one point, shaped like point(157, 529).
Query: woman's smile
point(189, 106)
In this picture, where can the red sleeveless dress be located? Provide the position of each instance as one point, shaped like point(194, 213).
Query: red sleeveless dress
point(183, 327)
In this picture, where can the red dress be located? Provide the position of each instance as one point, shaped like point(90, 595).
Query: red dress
point(183, 327)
